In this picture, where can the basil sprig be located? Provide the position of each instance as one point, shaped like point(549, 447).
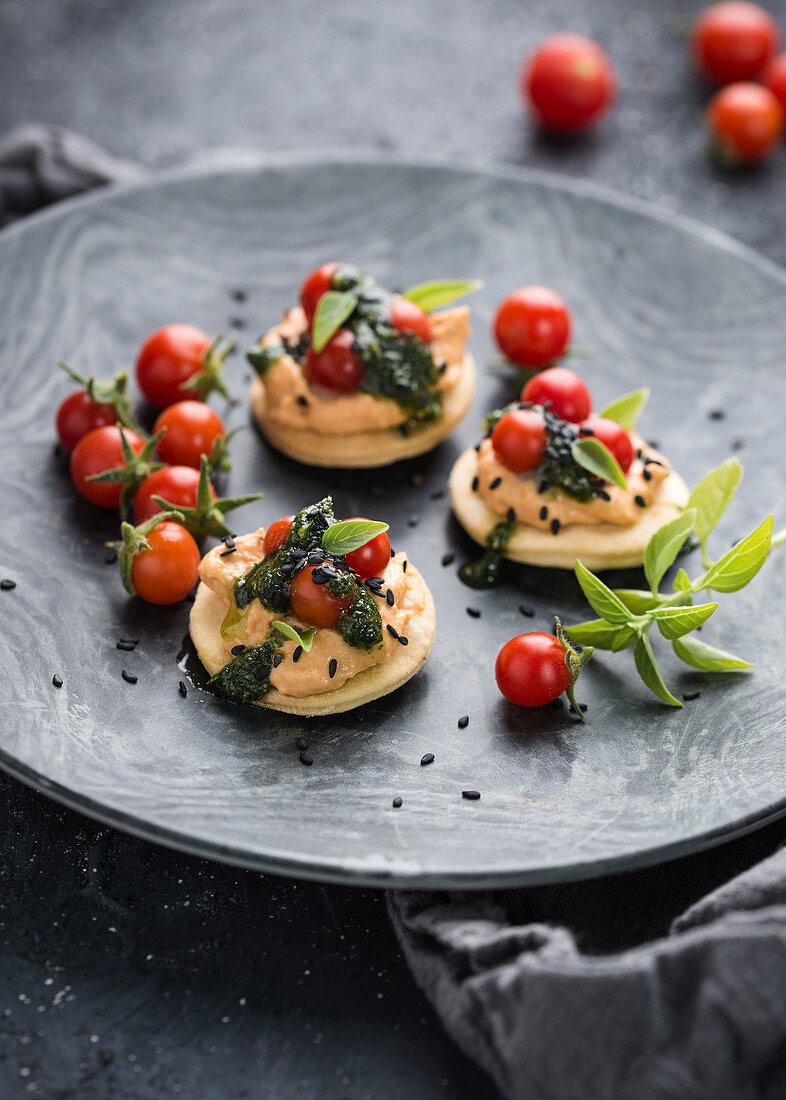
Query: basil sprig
point(440, 292)
point(306, 639)
point(349, 535)
point(334, 307)
point(598, 459)
point(627, 409)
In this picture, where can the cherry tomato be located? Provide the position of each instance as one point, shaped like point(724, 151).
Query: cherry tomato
point(314, 603)
point(613, 436)
point(568, 82)
point(168, 358)
point(77, 415)
point(407, 317)
point(95, 453)
point(570, 399)
point(169, 569)
point(370, 560)
point(733, 40)
point(774, 77)
point(518, 439)
point(746, 122)
point(531, 669)
point(276, 533)
point(192, 428)
point(175, 484)
point(314, 286)
point(532, 326)
point(336, 367)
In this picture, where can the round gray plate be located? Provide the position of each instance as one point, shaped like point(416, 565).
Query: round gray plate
point(661, 302)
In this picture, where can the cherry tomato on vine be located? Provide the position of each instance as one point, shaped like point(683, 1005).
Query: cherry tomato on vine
point(95, 453)
point(733, 40)
point(276, 533)
point(532, 326)
point(408, 317)
point(568, 82)
point(532, 669)
point(77, 415)
point(337, 366)
point(175, 484)
point(570, 399)
point(774, 78)
point(314, 286)
point(370, 560)
point(314, 603)
point(192, 428)
point(518, 439)
point(170, 357)
point(746, 122)
point(167, 571)
point(613, 436)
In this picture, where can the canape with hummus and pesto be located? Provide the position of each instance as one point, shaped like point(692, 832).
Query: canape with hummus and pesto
point(550, 482)
point(358, 376)
point(311, 616)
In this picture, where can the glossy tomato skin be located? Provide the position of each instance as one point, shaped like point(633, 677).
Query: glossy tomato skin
point(95, 453)
point(314, 603)
point(774, 78)
point(192, 428)
point(337, 366)
point(276, 533)
point(176, 484)
point(519, 439)
point(733, 40)
point(370, 560)
point(746, 122)
point(613, 436)
point(314, 286)
point(407, 317)
point(77, 415)
point(532, 326)
point(167, 359)
point(570, 399)
point(568, 83)
point(531, 669)
point(167, 571)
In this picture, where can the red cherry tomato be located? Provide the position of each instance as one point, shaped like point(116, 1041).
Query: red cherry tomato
point(314, 286)
point(532, 326)
point(95, 453)
point(336, 367)
point(192, 428)
point(314, 603)
point(407, 317)
point(77, 415)
point(168, 358)
point(570, 399)
point(774, 77)
point(733, 40)
point(531, 669)
point(276, 533)
point(518, 439)
point(167, 571)
point(568, 82)
point(613, 436)
point(370, 560)
point(746, 122)
point(175, 484)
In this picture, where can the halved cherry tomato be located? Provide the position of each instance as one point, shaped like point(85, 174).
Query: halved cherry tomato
point(568, 82)
point(531, 669)
point(532, 326)
point(746, 122)
point(192, 428)
point(314, 603)
point(570, 399)
point(276, 533)
point(77, 415)
point(314, 286)
point(169, 357)
point(407, 317)
point(337, 366)
point(774, 77)
point(175, 484)
point(733, 40)
point(167, 571)
point(95, 453)
point(519, 439)
point(613, 436)
point(372, 559)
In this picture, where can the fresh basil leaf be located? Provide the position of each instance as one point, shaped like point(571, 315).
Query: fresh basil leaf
point(637, 600)
point(332, 311)
point(439, 292)
point(342, 538)
point(742, 562)
point(626, 636)
point(682, 582)
point(673, 622)
point(596, 632)
point(598, 459)
point(698, 654)
point(712, 495)
point(778, 539)
point(650, 673)
point(627, 409)
point(664, 546)
point(306, 639)
point(600, 597)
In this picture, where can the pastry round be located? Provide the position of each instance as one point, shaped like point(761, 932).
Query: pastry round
point(599, 546)
point(370, 448)
point(207, 614)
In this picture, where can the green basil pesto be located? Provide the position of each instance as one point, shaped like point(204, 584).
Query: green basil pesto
point(247, 678)
point(486, 571)
point(361, 624)
point(263, 358)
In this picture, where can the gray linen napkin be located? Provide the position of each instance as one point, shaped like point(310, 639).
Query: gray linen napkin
point(641, 1001)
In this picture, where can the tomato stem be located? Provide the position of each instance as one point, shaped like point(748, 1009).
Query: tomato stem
point(575, 660)
point(207, 517)
point(211, 376)
point(133, 540)
point(108, 393)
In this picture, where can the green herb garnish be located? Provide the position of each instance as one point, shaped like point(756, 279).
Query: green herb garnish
point(349, 535)
point(627, 409)
point(598, 459)
point(333, 309)
point(439, 292)
point(306, 639)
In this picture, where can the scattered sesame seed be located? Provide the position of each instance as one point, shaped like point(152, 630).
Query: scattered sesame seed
point(511, 515)
point(473, 612)
point(654, 444)
point(238, 295)
point(477, 448)
point(237, 322)
point(583, 707)
point(402, 640)
point(397, 802)
point(448, 559)
point(412, 521)
point(604, 495)
point(495, 483)
point(301, 744)
point(392, 552)
point(302, 400)
point(527, 612)
point(475, 483)
point(472, 796)
point(404, 565)
point(127, 647)
point(555, 526)
point(689, 696)
point(304, 758)
point(737, 444)
point(716, 414)
point(646, 474)
point(639, 499)
point(543, 513)
point(438, 494)
point(544, 485)
point(7, 584)
point(236, 650)
point(229, 550)
point(57, 680)
point(391, 630)
point(390, 598)
point(182, 689)
point(129, 677)
point(332, 667)
point(110, 557)
point(426, 758)
point(296, 655)
point(463, 722)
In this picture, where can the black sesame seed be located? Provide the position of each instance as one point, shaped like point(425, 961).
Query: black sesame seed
point(229, 541)
point(182, 689)
point(297, 653)
point(473, 612)
point(238, 295)
point(398, 801)
point(57, 680)
point(302, 400)
point(646, 474)
point(583, 707)
point(261, 674)
point(716, 414)
point(402, 640)
point(544, 485)
point(390, 597)
point(301, 744)
point(477, 448)
point(438, 494)
point(495, 483)
point(639, 499)
point(412, 521)
point(473, 796)
point(404, 565)
point(463, 722)
point(475, 483)
point(427, 758)
point(110, 557)
point(236, 650)
point(129, 677)
point(279, 657)
point(332, 667)
point(737, 444)
point(442, 368)
point(511, 515)
point(229, 550)
point(304, 758)
point(544, 513)
point(604, 495)
point(448, 559)
point(527, 612)
point(391, 630)
point(127, 647)
point(689, 696)
point(392, 552)
point(555, 525)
